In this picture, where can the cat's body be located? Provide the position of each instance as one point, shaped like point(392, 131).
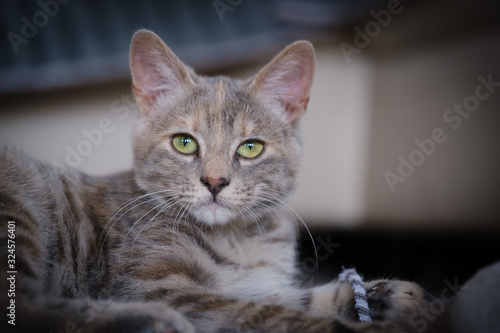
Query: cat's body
point(194, 236)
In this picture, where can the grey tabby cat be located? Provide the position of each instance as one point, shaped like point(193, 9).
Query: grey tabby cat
point(192, 239)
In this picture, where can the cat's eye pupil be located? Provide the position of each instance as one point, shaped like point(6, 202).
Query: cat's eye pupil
point(250, 149)
point(185, 144)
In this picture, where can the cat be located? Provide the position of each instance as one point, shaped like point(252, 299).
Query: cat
point(194, 238)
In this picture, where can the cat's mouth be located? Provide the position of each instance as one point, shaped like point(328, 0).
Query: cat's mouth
point(213, 205)
point(213, 213)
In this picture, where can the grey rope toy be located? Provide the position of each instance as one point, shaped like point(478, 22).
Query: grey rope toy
point(361, 301)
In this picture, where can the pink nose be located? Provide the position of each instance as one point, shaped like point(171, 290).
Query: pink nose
point(214, 185)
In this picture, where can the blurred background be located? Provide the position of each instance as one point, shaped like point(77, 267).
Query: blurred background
point(400, 173)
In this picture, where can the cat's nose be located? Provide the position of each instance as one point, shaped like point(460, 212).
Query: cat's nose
point(214, 185)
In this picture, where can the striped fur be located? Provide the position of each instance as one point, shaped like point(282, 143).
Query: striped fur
point(152, 249)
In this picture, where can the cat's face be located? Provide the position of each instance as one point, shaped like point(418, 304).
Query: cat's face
point(214, 148)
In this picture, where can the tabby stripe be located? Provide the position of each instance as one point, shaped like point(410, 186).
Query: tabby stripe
point(200, 302)
point(262, 314)
point(22, 217)
point(25, 266)
point(216, 257)
point(28, 243)
point(72, 219)
point(306, 300)
point(212, 304)
point(157, 294)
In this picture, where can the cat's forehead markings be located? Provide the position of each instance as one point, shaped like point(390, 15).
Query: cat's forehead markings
point(220, 94)
point(186, 122)
point(244, 126)
point(196, 119)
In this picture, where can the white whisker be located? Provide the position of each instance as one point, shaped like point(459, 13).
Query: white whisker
point(269, 195)
point(167, 204)
point(255, 219)
point(176, 220)
point(123, 206)
point(135, 223)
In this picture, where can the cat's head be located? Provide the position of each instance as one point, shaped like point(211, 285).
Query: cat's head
point(215, 148)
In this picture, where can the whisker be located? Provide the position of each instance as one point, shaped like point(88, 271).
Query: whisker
point(179, 211)
point(177, 222)
point(131, 201)
point(185, 210)
point(123, 206)
point(268, 208)
point(167, 205)
point(255, 219)
point(118, 219)
point(268, 192)
point(135, 223)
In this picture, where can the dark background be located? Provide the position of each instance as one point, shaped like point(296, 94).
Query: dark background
point(84, 48)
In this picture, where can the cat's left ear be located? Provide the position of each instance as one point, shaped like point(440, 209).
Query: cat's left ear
point(287, 79)
point(156, 71)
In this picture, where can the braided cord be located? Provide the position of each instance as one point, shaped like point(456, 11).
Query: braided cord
point(361, 301)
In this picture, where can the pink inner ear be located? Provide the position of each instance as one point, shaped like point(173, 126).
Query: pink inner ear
point(147, 82)
point(289, 82)
point(149, 75)
point(298, 88)
point(156, 73)
point(142, 80)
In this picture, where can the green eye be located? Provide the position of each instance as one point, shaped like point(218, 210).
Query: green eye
point(250, 149)
point(185, 144)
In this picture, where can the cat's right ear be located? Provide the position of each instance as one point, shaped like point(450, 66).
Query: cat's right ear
point(156, 71)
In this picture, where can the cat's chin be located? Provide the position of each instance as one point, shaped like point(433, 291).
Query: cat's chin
point(213, 214)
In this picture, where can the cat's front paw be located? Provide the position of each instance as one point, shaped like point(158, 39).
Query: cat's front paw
point(393, 300)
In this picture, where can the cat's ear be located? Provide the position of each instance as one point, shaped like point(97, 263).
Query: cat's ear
point(156, 71)
point(287, 79)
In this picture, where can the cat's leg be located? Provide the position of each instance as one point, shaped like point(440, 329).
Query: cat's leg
point(212, 312)
point(87, 316)
point(389, 300)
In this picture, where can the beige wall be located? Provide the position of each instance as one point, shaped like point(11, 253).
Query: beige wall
point(362, 116)
point(459, 182)
point(331, 184)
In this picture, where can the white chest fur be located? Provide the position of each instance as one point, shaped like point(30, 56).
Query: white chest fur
point(264, 265)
